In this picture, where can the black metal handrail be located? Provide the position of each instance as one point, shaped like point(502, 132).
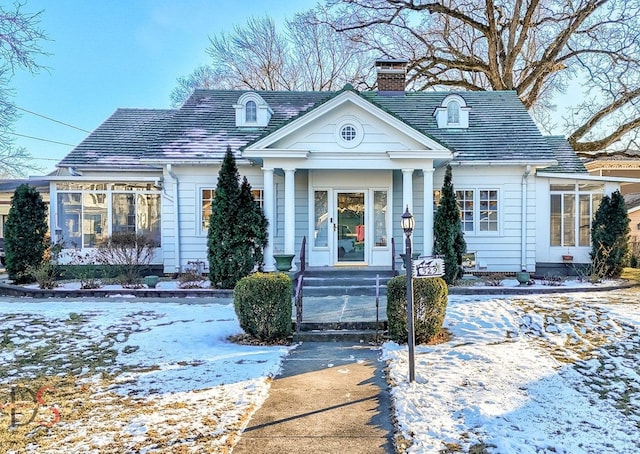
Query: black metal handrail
point(303, 255)
point(299, 284)
point(393, 256)
point(377, 339)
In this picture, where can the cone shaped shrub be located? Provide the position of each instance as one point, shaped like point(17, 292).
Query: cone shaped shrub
point(610, 236)
point(449, 239)
point(262, 303)
point(430, 298)
point(24, 233)
point(237, 228)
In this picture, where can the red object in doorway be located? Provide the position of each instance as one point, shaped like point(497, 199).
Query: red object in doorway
point(359, 233)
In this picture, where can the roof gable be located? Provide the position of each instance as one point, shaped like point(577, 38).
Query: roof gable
point(352, 99)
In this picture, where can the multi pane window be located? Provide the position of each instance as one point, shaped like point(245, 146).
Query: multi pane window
point(479, 210)
point(573, 207)
point(251, 112)
point(207, 200)
point(89, 212)
point(465, 204)
point(488, 210)
point(453, 113)
point(208, 194)
point(348, 133)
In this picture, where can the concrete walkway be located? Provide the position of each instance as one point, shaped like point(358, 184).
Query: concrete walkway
point(331, 397)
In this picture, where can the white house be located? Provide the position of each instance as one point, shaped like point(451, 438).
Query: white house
point(338, 168)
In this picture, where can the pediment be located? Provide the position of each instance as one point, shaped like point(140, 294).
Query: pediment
point(347, 124)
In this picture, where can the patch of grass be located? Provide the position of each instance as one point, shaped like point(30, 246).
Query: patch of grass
point(631, 274)
point(493, 279)
point(6, 341)
point(74, 318)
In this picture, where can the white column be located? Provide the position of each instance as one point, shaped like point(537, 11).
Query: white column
point(289, 211)
point(407, 190)
point(269, 210)
point(428, 211)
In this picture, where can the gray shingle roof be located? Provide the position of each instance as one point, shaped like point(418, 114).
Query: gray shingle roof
point(500, 128)
point(568, 161)
point(121, 141)
point(206, 124)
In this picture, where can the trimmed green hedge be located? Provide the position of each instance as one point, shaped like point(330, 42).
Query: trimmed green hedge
point(103, 271)
point(263, 305)
point(430, 298)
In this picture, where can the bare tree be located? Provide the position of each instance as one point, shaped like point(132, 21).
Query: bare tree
point(20, 40)
point(17, 162)
point(307, 55)
point(539, 48)
point(202, 77)
point(325, 60)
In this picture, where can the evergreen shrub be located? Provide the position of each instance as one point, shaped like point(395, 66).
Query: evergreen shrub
point(262, 302)
point(237, 231)
point(449, 240)
point(610, 236)
point(24, 234)
point(430, 298)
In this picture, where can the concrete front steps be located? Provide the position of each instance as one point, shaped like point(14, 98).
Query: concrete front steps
point(360, 332)
point(355, 287)
point(356, 281)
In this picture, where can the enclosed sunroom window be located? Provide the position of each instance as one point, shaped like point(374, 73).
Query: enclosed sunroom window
point(89, 212)
point(573, 207)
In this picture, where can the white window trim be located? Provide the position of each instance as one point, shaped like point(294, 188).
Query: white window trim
point(200, 218)
point(263, 111)
point(204, 231)
point(442, 115)
point(246, 112)
point(576, 221)
point(353, 122)
point(109, 192)
point(476, 211)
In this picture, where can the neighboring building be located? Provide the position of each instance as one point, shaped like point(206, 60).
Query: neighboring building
point(338, 168)
point(627, 167)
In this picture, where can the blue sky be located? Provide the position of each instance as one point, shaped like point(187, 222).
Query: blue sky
point(110, 54)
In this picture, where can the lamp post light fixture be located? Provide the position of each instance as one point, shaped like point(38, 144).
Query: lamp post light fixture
point(408, 223)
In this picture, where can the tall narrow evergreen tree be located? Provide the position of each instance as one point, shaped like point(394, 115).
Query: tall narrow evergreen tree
point(449, 240)
point(253, 223)
point(25, 232)
point(610, 235)
point(235, 231)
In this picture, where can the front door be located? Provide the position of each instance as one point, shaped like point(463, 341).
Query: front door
point(349, 230)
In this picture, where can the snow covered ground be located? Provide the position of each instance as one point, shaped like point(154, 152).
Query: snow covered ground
point(128, 376)
point(536, 374)
point(556, 373)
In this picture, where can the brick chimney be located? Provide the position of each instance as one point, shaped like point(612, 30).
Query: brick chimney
point(392, 76)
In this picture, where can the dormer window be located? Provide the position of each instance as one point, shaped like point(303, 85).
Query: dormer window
point(252, 111)
point(452, 113)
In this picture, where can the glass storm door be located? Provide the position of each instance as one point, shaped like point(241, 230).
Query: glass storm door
point(349, 228)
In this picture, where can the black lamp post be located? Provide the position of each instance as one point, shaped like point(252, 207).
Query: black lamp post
point(408, 223)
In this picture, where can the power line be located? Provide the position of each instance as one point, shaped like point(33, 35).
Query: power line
point(43, 140)
point(45, 117)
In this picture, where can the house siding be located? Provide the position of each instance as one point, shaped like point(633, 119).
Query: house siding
point(499, 251)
